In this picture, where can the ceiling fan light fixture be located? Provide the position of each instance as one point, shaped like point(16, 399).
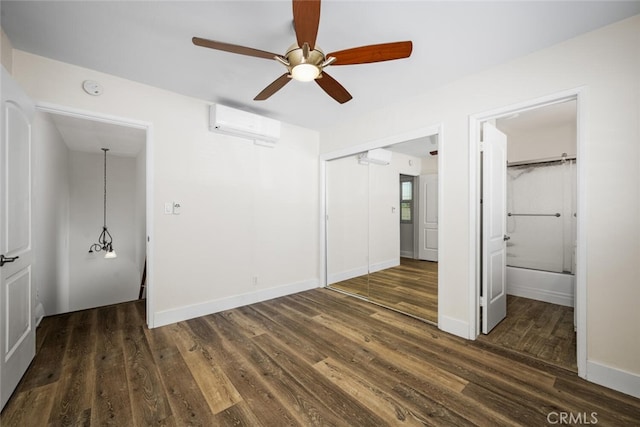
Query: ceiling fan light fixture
point(305, 72)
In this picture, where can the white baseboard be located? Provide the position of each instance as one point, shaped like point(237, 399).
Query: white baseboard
point(454, 326)
point(406, 254)
point(208, 307)
point(553, 297)
point(378, 266)
point(346, 275)
point(614, 378)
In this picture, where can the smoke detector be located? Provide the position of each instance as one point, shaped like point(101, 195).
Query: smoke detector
point(92, 87)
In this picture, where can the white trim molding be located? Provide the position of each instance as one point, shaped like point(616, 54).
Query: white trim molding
point(436, 129)
point(580, 95)
point(383, 265)
point(453, 326)
point(348, 274)
point(48, 107)
point(179, 314)
point(617, 379)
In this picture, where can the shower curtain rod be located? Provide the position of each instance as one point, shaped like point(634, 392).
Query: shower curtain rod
point(539, 161)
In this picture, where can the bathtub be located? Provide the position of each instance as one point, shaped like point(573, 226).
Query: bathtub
point(556, 288)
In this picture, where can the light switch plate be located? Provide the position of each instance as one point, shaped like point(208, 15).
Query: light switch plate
point(168, 208)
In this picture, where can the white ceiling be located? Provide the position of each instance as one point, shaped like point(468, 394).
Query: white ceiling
point(150, 42)
point(91, 136)
point(419, 147)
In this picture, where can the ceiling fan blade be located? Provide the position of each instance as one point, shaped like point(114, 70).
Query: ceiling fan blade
point(228, 47)
point(273, 87)
point(333, 88)
point(306, 20)
point(373, 53)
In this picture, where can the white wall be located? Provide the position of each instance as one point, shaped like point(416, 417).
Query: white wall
point(364, 215)
point(384, 209)
point(429, 165)
point(249, 223)
point(93, 280)
point(606, 63)
point(542, 143)
point(348, 224)
point(50, 215)
point(6, 51)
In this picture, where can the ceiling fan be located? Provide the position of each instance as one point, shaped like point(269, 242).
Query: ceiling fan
point(306, 62)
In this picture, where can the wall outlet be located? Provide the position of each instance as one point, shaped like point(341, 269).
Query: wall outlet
point(254, 280)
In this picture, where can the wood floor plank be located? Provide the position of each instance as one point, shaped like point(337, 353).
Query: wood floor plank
point(305, 380)
point(188, 404)
point(247, 379)
point(47, 365)
point(323, 339)
point(539, 329)
point(280, 327)
point(30, 407)
point(238, 415)
point(111, 402)
point(411, 287)
point(380, 402)
point(73, 400)
point(313, 358)
point(304, 405)
point(209, 375)
point(149, 402)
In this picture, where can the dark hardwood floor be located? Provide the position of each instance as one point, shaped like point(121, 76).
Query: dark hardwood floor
point(411, 287)
point(537, 328)
point(314, 358)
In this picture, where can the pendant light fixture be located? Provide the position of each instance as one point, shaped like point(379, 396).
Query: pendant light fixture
point(105, 241)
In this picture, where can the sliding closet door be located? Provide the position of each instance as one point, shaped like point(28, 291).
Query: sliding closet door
point(348, 225)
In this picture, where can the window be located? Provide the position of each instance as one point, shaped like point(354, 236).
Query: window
point(406, 201)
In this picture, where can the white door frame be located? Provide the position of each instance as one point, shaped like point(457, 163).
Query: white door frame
point(132, 123)
point(475, 122)
point(366, 146)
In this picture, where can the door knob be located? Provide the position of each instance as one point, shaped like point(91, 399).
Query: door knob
point(4, 259)
point(505, 238)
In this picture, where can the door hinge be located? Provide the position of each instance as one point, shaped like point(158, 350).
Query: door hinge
point(481, 146)
point(483, 301)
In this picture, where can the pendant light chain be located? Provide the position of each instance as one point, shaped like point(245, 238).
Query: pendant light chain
point(105, 241)
point(105, 188)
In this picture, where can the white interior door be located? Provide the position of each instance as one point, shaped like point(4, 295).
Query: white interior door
point(17, 318)
point(428, 217)
point(494, 252)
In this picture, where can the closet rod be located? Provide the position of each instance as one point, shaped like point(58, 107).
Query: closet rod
point(557, 214)
point(540, 161)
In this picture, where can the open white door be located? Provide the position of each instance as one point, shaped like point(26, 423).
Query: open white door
point(428, 217)
point(17, 318)
point(494, 253)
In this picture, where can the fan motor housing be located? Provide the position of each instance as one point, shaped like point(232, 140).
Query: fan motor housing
point(295, 56)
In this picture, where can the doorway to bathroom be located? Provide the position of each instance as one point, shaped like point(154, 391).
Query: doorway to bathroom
point(529, 208)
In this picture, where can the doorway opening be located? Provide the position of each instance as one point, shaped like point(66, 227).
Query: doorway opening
point(529, 283)
point(376, 205)
point(69, 157)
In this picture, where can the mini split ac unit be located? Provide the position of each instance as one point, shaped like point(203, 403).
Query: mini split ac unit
point(261, 130)
point(379, 156)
